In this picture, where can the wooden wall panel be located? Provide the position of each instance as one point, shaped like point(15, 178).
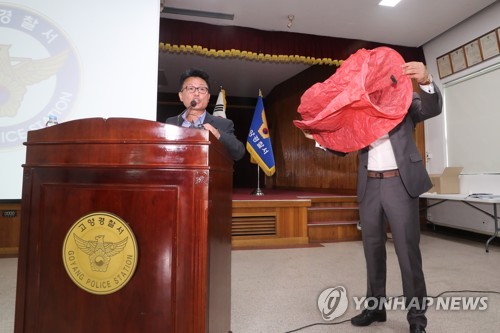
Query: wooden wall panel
point(10, 223)
point(299, 164)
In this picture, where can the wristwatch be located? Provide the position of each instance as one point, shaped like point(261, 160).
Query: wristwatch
point(428, 81)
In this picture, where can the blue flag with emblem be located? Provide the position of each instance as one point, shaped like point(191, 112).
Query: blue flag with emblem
point(259, 141)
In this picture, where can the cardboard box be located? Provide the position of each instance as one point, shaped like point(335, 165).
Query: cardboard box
point(448, 182)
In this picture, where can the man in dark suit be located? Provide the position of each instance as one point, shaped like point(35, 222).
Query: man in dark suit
point(195, 94)
point(391, 176)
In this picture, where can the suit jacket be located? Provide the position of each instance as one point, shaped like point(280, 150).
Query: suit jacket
point(226, 129)
point(410, 163)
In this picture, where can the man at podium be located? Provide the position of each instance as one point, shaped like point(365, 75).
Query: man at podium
point(194, 94)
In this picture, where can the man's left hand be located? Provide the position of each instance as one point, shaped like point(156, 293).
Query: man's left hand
point(416, 70)
point(212, 129)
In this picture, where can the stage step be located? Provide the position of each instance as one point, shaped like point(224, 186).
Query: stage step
point(333, 219)
point(286, 219)
point(333, 231)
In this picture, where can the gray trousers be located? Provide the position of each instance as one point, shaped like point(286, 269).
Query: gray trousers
point(387, 200)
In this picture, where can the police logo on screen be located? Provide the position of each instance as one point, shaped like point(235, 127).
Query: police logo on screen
point(39, 73)
point(100, 253)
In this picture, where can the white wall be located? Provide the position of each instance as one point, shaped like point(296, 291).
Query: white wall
point(456, 214)
point(466, 31)
point(79, 60)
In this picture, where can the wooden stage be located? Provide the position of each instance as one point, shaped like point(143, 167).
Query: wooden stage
point(287, 218)
point(276, 219)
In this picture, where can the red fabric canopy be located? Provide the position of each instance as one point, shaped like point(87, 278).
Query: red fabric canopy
point(366, 97)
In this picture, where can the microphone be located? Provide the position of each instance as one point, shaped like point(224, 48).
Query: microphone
point(191, 105)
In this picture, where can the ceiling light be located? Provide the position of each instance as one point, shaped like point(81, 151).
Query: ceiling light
point(389, 3)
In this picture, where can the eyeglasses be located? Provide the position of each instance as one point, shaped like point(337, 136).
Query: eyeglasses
point(192, 89)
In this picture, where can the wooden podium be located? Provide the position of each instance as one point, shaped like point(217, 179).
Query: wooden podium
point(170, 186)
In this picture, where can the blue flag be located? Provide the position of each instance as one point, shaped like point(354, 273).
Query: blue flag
point(259, 141)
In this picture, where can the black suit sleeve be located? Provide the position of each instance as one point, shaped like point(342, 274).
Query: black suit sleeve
point(226, 129)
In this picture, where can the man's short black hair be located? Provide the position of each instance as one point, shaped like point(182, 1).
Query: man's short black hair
point(194, 72)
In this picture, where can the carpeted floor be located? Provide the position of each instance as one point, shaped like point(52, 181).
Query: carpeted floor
point(276, 290)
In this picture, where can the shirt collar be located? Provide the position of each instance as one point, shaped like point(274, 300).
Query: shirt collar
point(197, 123)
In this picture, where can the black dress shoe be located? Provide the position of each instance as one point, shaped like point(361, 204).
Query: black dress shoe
point(367, 317)
point(416, 329)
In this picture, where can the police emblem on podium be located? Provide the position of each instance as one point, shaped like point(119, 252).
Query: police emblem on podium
point(100, 253)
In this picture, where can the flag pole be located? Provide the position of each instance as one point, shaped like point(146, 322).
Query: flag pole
point(258, 191)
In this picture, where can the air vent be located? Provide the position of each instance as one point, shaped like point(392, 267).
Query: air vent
point(254, 226)
point(197, 13)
